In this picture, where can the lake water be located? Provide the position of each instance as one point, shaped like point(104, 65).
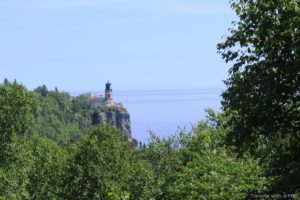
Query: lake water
point(163, 111)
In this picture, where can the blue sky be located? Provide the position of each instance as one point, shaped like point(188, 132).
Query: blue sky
point(77, 45)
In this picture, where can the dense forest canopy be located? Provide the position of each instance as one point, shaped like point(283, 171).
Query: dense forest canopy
point(250, 150)
point(57, 154)
point(59, 116)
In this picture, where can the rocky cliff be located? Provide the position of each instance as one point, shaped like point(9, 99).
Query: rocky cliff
point(116, 115)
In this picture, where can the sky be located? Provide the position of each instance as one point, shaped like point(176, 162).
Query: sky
point(77, 45)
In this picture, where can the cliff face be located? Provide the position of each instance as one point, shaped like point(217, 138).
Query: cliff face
point(118, 116)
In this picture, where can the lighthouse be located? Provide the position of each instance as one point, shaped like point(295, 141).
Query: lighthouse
point(107, 100)
point(108, 94)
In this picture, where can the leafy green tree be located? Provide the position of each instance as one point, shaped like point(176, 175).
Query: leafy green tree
point(42, 90)
point(56, 119)
point(165, 157)
point(141, 177)
point(211, 171)
point(99, 166)
point(262, 100)
point(81, 102)
point(81, 107)
point(198, 165)
point(15, 168)
point(46, 175)
point(16, 106)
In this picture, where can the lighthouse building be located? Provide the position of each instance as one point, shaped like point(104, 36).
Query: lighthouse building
point(107, 100)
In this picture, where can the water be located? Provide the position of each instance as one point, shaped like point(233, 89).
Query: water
point(163, 111)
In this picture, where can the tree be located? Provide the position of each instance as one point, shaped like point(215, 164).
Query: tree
point(6, 82)
point(45, 176)
point(262, 100)
point(198, 165)
point(81, 102)
point(15, 167)
point(211, 171)
point(16, 106)
point(56, 119)
point(99, 166)
point(141, 177)
point(42, 90)
point(166, 158)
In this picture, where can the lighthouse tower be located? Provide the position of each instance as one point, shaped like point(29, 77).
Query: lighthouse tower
point(108, 94)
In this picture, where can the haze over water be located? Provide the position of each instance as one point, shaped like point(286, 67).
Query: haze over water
point(163, 111)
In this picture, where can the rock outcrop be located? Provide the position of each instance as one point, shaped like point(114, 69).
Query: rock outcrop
point(116, 115)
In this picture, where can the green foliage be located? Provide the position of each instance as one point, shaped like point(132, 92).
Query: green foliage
point(15, 168)
point(42, 90)
point(217, 176)
point(165, 158)
point(198, 166)
point(228, 156)
point(262, 100)
point(98, 167)
point(46, 174)
point(111, 108)
point(103, 164)
point(214, 172)
point(16, 106)
point(81, 103)
point(59, 117)
point(31, 169)
point(141, 177)
point(187, 166)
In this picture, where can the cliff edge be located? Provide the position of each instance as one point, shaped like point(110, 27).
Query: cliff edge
point(116, 115)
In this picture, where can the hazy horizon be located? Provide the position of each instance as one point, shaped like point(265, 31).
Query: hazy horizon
point(166, 49)
point(165, 111)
